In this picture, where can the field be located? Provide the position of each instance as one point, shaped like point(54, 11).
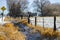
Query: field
point(32, 30)
point(48, 22)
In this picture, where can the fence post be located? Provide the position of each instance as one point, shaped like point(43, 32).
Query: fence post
point(43, 22)
point(29, 19)
point(2, 16)
point(21, 16)
point(35, 21)
point(54, 23)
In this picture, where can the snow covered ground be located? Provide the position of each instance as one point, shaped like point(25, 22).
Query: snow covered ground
point(48, 22)
point(2, 21)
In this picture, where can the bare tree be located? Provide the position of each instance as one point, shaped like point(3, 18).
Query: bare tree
point(15, 10)
point(24, 4)
point(45, 10)
point(41, 6)
point(17, 7)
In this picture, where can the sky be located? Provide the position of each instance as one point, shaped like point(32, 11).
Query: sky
point(54, 1)
point(4, 3)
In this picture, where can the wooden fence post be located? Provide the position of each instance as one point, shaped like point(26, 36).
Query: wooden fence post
point(54, 23)
point(29, 19)
point(21, 16)
point(2, 16)
point(35, 21)
point(43, 22)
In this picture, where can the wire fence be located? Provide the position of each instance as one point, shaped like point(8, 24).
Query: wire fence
point(45, 22)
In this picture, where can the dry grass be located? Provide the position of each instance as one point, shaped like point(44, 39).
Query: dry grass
point(10, 32)
point(8, 18)
point(44, 31)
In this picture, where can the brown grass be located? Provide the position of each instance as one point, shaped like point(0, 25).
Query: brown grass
point(43, 31)
point(10, 32)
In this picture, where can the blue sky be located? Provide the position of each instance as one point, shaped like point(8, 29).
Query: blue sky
point(3, 3)
point(31, 8)
point(54, 1)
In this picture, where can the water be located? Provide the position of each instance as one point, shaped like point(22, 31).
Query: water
point(28, 32)
point(32, 36)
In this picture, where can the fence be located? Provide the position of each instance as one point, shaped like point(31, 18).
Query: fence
point(42, 21)
point(45, 22)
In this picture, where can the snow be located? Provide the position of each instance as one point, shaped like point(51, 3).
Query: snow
point(2, 21)
point(48, 22)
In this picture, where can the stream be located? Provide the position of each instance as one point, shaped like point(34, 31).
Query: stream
point(31, 36)
point(28, 32)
